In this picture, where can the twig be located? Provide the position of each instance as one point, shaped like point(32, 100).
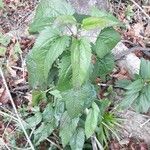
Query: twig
point(30, 135)
point(111, 130)
point(94, 146)
point(98, 143)
point(54, 144)
point(5, 114)
point(140, 9)
point(139, 48)
point(15, 109)
point(2, 141)
point(144, 123)
point(6, 127)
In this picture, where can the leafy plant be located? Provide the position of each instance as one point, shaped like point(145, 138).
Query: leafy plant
point(138, 92)
point(108, 124)
point(60, 69)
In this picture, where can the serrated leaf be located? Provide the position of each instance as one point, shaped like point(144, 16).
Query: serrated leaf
point(142, 103)
point(128, 100)
point(77, 100)
point(122, 83)
point(55, 50)
point(42, 132)
point(106, 41)
point(100, 19)
point(91, 120)
point(47, 11)
point(135, 86)
point(34, 120)
point(68, 128)
point(78, 139)
point(65, 70)
point(65, 20)
point(145, 69)
point(48, 46)
point(59, 110)
point(48, 113)
point(103, 67)
point(80, 61)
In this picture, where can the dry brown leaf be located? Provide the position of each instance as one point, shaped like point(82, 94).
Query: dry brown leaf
point(10, 70)
point(19, 81)
point(147, 30)
point(138, 29)
point(4, 98)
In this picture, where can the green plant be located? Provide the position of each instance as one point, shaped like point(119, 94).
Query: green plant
point(138, 92)
point(4, 41)
point(1, 4)
point(61, 69)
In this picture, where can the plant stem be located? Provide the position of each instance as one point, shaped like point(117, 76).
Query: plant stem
point(140, 9)
point(15, 109)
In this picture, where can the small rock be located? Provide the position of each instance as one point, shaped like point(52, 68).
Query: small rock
point(83, 6)
point(132, 64)
point(119, 50)
point(132, 125)
point(130, 61)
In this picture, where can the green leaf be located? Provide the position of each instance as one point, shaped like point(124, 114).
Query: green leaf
point(103, 67)
point(106, 41)
point(42, 132)
point(65, 20)
point(142, 103)
point(59, 110)
point(145, 69)
point(2, 51)
point(91, 120)
point(77, 100)
point(68, 128)
point(47, 11)
point(1, 4)
point(34, 120)
point(106, 65)
point(56, 94)
point(128, 100)
point(17, 48)
point(48, 46)
point(56, 49)
point(48, 113)
point(65, 70)
point(78, 139)
point(4, 39)
point(103, 105)
point(80, 61)
point(122, 83)
point(135, 86)
point(80, 17)
point(37, 96)
point(100, 19)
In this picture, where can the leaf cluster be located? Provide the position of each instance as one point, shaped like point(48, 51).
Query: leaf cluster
point(138, 92)
point(61, 70)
